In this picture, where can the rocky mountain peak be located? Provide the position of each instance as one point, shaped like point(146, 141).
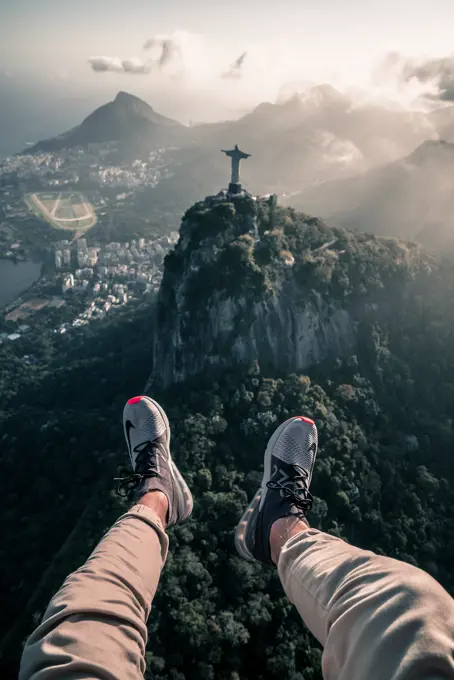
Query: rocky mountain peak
point(232, 291)
point(127, 120)
point(437, 150)
point(125, 97)
point(130, 103)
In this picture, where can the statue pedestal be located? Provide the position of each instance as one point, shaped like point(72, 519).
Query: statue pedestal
point(235, 188)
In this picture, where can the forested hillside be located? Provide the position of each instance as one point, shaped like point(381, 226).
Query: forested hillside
point(384, 476)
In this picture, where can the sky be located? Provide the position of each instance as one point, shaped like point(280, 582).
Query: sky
point(46, 45)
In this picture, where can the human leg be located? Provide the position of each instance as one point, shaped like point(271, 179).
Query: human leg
point(95, 626)
point(376, 617)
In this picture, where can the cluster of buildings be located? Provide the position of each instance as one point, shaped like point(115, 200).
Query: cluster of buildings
point(13, 207)
point(111, 275)
point(68, 166)
point(56, 168)
point(97, 309)
point(92, 277)
point(9, 247)
point(83, 256)
point(11, 337)
point(138, 174)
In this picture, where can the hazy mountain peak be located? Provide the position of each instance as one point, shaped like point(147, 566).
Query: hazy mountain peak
point(432, 150)
point(296, 107)
point(123, 96)
point(322, 95)
point(410, 198)
point(313, 97)
point(127, 120)
point(125, 100)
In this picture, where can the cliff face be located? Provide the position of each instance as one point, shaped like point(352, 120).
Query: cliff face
point(232, 294)
point(279, 331)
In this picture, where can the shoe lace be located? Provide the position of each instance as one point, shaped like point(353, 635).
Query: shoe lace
point(299, 492)
point(146, 467)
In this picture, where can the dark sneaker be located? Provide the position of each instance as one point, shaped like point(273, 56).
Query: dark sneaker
point(289, 462)
point(147, 433)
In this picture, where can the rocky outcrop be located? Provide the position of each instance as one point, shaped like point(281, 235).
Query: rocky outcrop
point(279, 332)
point(218, 307)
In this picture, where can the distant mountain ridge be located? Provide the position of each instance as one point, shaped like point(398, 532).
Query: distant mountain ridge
point(412, 198)
point(314, 135)
point(317, 135)
point(362, 166)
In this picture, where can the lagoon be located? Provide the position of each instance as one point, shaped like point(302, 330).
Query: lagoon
point(16, 278)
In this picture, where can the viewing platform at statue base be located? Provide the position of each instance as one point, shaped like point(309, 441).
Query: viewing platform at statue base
point(235, 188)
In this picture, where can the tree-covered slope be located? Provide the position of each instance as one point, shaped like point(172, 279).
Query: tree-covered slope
point(383, 407)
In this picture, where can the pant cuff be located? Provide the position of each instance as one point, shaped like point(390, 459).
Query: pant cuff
point(149, 516)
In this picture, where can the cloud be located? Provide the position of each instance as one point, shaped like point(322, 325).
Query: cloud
point(236, 69)
point(168, 49)
point(438, 72)
point(171, 51)
point(104, 64)
point(436, 75)
point(180, 54)
point(166, 52)
point(101, 64)
point(136, 66)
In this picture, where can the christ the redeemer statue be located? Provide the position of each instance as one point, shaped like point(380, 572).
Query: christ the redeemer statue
point(237, 156)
